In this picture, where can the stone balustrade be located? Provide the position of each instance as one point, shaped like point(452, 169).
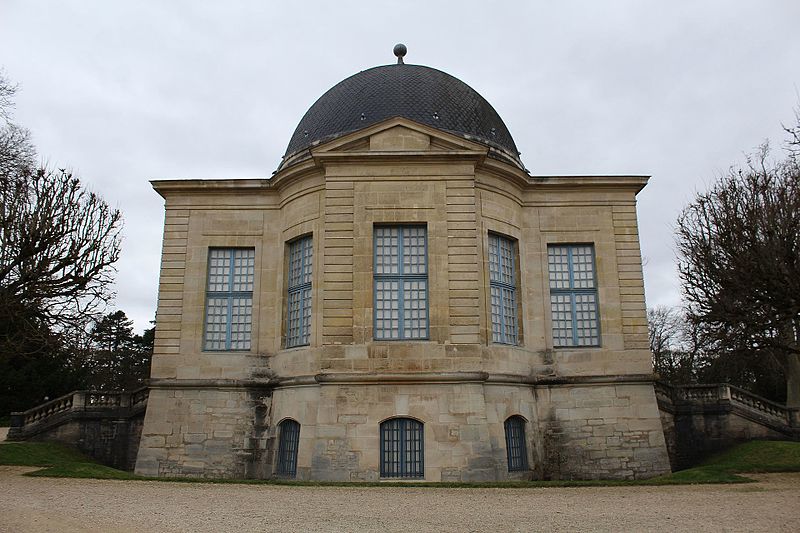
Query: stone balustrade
point(76, 402)
point(105, 425)
point(701, 393)
point(41, 412)
point(760, 404)
point(721, 392)
point(700, 420)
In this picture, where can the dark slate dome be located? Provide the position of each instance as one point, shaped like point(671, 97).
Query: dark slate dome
point(421, 94)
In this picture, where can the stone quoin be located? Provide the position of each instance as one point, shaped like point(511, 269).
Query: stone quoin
point(402, 299)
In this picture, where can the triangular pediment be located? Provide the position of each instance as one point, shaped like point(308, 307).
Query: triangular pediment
point(396, 135)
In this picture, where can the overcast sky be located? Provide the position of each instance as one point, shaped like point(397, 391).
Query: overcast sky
point(126, 92)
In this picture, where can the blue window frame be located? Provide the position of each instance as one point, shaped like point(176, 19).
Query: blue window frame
point(503, 289)
point(298, 300)
point(573, 295)
point(288, 444)
point(401, 283)
point(229, 298)
point(402, 448)
point(516, 449)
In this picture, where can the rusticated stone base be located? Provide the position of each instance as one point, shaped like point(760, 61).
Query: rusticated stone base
point(571, 431)
point(198, 433)
point(602, 432)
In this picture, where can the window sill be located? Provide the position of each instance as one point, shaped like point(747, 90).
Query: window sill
point(392, 341)
point(594, 347)
point(288, 348)
point(506, 344)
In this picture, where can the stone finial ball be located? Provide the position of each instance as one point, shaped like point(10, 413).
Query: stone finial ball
point(400, 50)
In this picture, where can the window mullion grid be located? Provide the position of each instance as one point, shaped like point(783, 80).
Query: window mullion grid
point(401, 307)
point(574, 314)
point(401, 448)
point(401, 281)
point(513, 291)
point(302, 250)
point(401, 277)
point(511, 439)
point(499, 283)
point(228, 295)
point(515, 440)
point(297, 292)
point(504, 337)
point(573, 295)
point(573, 292)
point(424, 277)
point(229, 321)
point(509, 450)
point(501, 313)
point(514, 320)
point(401, 271)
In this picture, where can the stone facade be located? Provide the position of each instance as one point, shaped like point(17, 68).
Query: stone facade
point(589, 412)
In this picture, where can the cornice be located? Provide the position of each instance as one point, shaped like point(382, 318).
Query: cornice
point(208, 186)
point(406, 158)
point(356, 378)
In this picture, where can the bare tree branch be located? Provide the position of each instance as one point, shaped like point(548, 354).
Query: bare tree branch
point(58, 243)
point(739, 247)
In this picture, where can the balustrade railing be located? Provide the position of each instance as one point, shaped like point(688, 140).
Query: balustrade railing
point(48, 409)
point(703, 393)
point(104, 399)
point(81, 401)
point(713, 393)
point(760, 404)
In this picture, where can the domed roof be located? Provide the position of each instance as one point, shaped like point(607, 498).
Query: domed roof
point(419, 93)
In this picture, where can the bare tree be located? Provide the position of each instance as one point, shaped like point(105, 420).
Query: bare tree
point(793, 142)
point(7, 92)
point(739, 247)
point(17, 154)
point(664, 328)
point(678, 355)
point(58, 242)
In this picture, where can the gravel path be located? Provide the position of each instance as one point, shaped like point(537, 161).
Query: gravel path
point(68, 505)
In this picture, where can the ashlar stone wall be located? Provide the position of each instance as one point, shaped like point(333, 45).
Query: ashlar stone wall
point(199, 433)
point(463, 427)
point(602, 432)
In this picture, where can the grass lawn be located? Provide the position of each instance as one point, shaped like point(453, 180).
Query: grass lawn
point(756, 456)
point(57, 460)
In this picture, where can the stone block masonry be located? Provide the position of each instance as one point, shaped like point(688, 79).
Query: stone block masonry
point(602, 432)
point(198, 433)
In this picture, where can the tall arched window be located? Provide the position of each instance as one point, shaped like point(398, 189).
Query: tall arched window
point(402, 448)
point(289, 438)
point(515, 444)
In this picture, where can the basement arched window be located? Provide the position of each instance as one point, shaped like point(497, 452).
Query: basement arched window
point(289, 439)
point(402, 448)
point(516, 450)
